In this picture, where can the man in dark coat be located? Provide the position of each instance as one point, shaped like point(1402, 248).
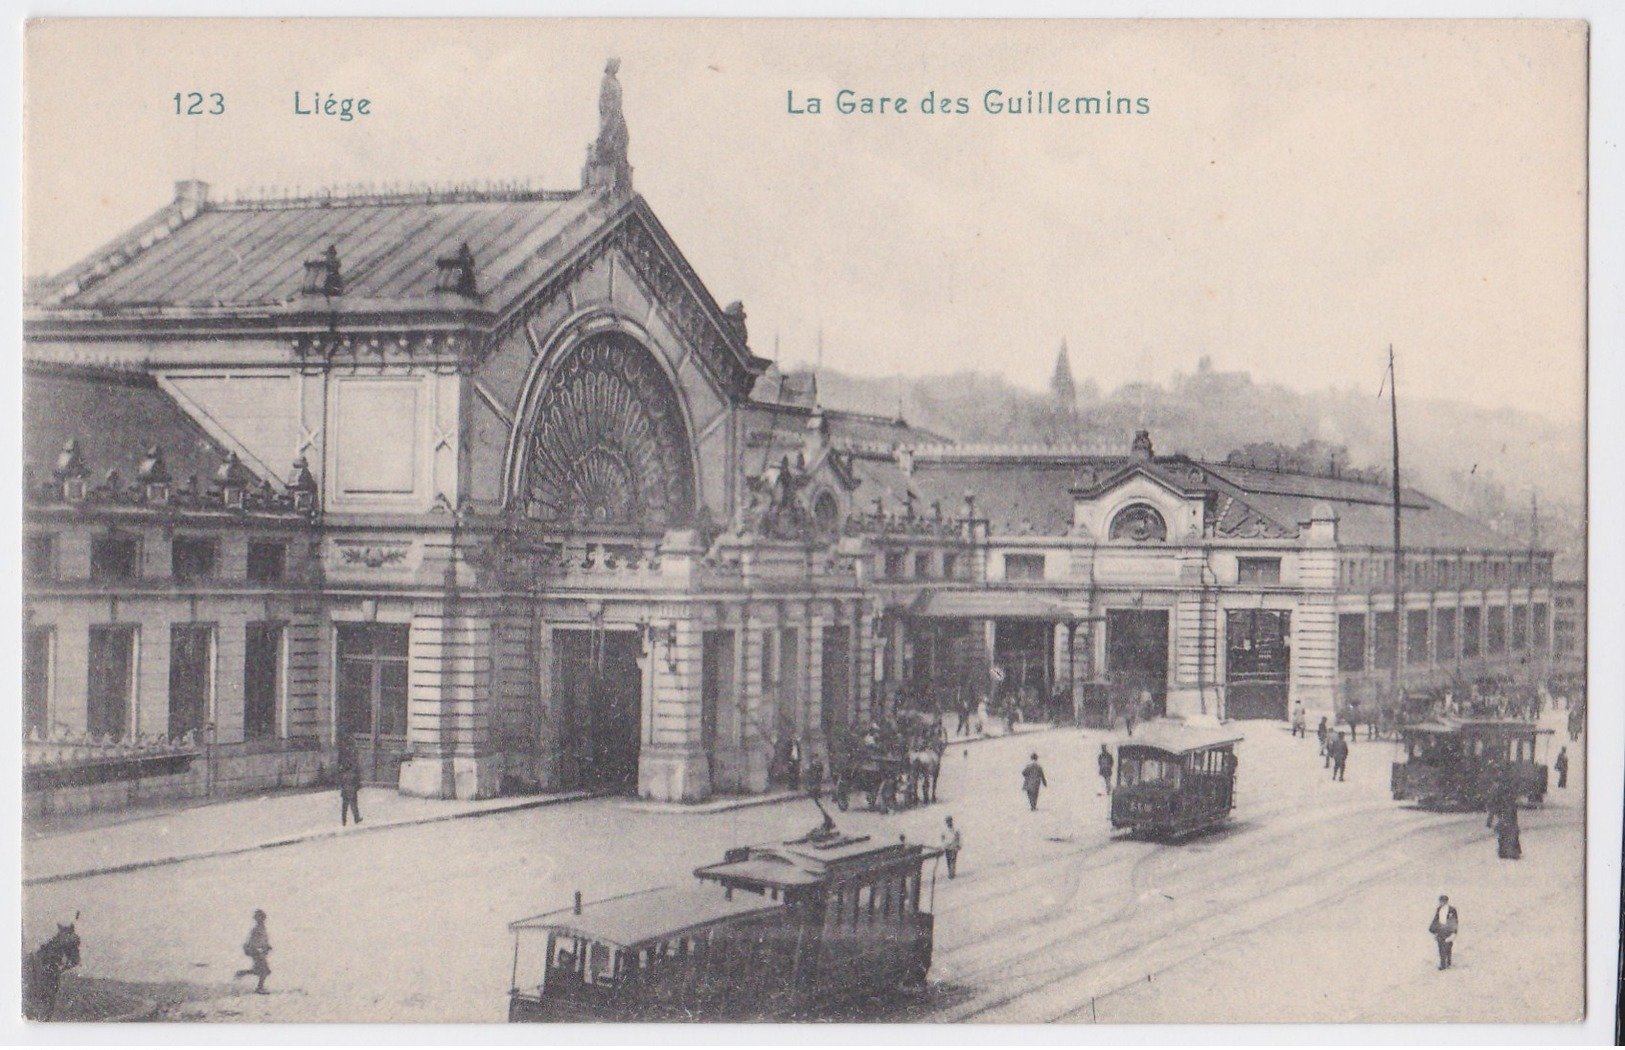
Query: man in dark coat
point(1032, 778)
point(1338, 752)
point(1104, 762)
point(1503, 817)
point(349, 784)
point(1443, 927)
point(1561, 764)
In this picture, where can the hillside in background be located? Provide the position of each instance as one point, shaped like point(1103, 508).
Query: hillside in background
point(1491, 463)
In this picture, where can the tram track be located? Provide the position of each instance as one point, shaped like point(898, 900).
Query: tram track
point(1285, 901)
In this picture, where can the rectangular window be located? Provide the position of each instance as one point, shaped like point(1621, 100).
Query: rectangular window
point(1520, 628)
point(922, 565)
point(1386, 640)
point(950, 564)
point(1028, 567)
point(39, 556)
point(111, 681)
point(894, 565)
point(39, 658)
point(1351, 642)
point(114, 558)
point(191, 677)
point(192, 557)
point(262, 679)
point(1416, 636)
point(372, 691)
point(1495, 629)
point(1258, 570)
point(1472, 632)
point(267, 562)
point(1444, 635)
point(1539, 625)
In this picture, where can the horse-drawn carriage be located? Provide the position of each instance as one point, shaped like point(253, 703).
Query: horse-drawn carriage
point(892, 766)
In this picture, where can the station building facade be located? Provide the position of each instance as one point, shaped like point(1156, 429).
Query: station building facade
point(1214, 590)
point(487, 485)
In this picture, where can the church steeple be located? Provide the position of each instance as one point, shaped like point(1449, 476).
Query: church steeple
point(1064, 391)
point(607, 167)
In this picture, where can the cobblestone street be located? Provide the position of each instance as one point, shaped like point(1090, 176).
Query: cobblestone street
point(1311, 906)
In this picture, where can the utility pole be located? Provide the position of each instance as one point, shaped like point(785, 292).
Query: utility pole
point(1399, 553)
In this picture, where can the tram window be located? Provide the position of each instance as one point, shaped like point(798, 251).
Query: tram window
point(600, 964)
point(567, 955)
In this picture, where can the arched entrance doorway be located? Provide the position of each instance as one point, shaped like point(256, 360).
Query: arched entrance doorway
point(605, 453)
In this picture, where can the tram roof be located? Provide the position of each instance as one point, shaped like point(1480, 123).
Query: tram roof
point(1455, 725)
point(635, 919)
point(1180, 739)
point(807, 862)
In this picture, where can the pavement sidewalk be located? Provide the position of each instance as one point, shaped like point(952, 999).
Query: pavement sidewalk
point(81, 846)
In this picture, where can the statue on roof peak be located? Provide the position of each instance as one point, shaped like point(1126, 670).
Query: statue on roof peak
point(607, 166)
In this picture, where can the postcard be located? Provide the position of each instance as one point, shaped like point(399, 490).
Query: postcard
point(1041, 522)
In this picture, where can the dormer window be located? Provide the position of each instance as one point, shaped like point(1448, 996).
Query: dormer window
point(456, 273)
point(322, 274)
point(1140, 523)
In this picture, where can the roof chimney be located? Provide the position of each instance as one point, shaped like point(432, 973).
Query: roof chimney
point(191, 196)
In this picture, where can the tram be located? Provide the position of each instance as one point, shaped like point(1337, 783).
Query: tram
point(1455, 763)
point(1174, 779)
point(777, 932)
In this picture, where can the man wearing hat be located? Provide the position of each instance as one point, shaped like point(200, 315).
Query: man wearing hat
point(1032, 778)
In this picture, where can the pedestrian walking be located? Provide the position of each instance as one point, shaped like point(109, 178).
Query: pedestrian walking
point(963, 728)
point(1561, 764)
point(1443, 927)
point(1338, 752)
point(258, 948)
point(1299, 720)
point(794, 764)
point(1354, 716)
point(951, 843)
point(815, 779)
point(349, 784)
point(1503, 817)
point(1032, 778)
point(1323, 731)
point(1104, 762)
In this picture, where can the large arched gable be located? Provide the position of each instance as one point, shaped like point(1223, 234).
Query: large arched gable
point(603, 441)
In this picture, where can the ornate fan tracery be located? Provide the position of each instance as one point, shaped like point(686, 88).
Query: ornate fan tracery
point(607, 446)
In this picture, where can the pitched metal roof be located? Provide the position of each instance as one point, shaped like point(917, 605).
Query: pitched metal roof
point(115, 417)
point(1029, 499)
point(253, 254)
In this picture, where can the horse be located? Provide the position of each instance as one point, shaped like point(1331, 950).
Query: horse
point(43, 969)
point(925, 766)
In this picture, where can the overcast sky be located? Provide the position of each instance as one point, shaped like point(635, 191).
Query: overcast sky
point(1298, 196)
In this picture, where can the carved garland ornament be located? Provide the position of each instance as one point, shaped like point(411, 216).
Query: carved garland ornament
point(607, 446)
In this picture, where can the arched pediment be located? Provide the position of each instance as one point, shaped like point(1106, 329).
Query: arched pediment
point(1139, 509)
point(603, 442)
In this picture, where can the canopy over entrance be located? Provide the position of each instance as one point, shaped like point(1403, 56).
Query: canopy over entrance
point(990, 605)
